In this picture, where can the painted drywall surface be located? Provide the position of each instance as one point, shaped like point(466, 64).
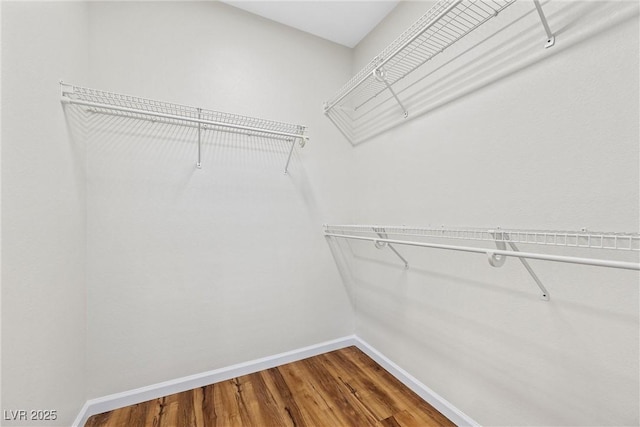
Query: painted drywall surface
point(191, 270)
point(43, 199)
point(549, 139)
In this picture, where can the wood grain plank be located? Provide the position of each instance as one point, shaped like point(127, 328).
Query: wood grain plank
point(209, 412)
point(281, 392)
point(169, 411)
point(313, 407)
point(374, 395)
point(270, 408)
point(153, 412)
point(226, 404)
point(99, 420)
point(121, 418)
point(339, 397)
point(186, 414)
point(388, 388)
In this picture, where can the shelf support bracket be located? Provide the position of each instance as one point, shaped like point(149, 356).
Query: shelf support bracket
point(302, 142)
point(380, 232)
point(534, 276)
point(199, 162)
point(551, 39)
point(499, 260)
point(381, 76)
point(286, 167)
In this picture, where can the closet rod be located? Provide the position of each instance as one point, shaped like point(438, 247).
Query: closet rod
point(493, 252)
point(183, 118)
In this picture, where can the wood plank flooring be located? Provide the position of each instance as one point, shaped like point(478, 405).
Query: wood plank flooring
point(341, 388)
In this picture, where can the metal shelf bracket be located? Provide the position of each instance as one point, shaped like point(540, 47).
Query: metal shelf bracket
point(302, 141)
point(551, 39)
point(293, 144)
point(381, 244)
point(499, 260)
point(381, 76)
point(494, 259)
point(199, 162)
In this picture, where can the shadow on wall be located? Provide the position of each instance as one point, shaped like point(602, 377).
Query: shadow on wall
point(464, 69)
point(393, 283)
point(165, 152)
point(77, 129)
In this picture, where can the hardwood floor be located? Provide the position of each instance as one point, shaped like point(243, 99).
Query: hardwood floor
point(341, 388)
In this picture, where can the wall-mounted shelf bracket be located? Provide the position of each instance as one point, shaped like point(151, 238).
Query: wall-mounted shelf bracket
point(302, 141)
point(499, 260)
point(381, 244)
point(494, 259)
point(199, 162)
point(551, 39)
point(381, 76)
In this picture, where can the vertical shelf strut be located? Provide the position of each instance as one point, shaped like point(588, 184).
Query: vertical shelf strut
point(199, 162)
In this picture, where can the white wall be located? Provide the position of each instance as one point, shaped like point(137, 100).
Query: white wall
point(513, 136)
point(43, 221)
point(191, 270)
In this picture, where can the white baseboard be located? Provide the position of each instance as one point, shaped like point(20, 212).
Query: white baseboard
point(138, 395)
point(430, 396)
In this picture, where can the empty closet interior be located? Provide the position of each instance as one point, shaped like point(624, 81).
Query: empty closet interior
point(190, 190)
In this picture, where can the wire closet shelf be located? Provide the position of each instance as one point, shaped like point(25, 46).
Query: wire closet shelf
point(103, 102)
point(440, 27)
point(431, 237)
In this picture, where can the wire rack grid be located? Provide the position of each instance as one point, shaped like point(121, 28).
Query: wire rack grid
point(580, 239)
point(100, 101)
point(443, 25)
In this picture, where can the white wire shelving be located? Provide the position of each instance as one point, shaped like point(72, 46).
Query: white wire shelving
point(103, 102)
point(431, 237)
point(440, 27)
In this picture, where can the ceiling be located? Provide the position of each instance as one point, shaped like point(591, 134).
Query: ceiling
point(343, 22)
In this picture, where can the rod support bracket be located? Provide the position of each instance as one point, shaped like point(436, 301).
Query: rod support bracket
point(382, 244)
point(380, 74)
point(379, 245)
point(494, 259)
point(293, 144)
